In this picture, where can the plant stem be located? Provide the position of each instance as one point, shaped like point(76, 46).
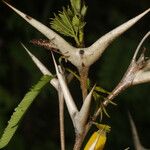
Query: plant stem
point(78, 141)
point(61, 118)
point(77, 41)
point(123, 84)
point(81, 37)
point(83, 71)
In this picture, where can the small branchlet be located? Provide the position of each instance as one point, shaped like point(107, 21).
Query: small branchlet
point(137, 73)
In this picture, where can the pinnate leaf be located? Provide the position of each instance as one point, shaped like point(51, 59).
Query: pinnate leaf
point(21, 109)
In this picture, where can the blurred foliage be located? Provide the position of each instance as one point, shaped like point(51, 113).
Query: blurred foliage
point(40, 126)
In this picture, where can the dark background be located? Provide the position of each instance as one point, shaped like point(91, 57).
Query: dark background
point(39, 129)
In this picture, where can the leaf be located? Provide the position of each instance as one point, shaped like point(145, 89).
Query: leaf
point(21, 109)
point(100, 89)
point(76, 5)
point(70, 12)
point(76, 23)
point(62, 22)
point(70, 22)
point(103, 127)
point(84, 10)
point(97, 97)
point(66, 19)
point(111, 102)
point(73, 73)
point(88, 83)
point(105, 111)
point(58, 24)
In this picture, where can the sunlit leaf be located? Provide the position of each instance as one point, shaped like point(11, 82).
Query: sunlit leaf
point(102, 90)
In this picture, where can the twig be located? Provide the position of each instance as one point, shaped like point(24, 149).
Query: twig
point(61, 118)
point(129, 76)
point(126, 81)
point(78, 142)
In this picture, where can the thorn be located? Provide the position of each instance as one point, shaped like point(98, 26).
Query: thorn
point(139, 46)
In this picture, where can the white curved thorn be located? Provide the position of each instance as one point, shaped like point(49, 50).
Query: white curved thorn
point(139, 45)
point(96, 49)
point(92, 53)
point(41, 67)
point(67, 95)
point(136, 140)
point(82, 116)
point(60, 43)
point(143, 75)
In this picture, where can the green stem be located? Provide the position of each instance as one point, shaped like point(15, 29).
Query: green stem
point(77, 41)
point(81, 38)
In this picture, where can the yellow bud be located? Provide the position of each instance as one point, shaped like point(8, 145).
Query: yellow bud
point(98, 139)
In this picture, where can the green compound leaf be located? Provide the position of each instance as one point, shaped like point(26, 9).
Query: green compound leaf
point(76, 5)
point(70, 21)
point(16, 117)
point(63, 23)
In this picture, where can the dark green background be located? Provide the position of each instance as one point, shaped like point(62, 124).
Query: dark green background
point(39, 129)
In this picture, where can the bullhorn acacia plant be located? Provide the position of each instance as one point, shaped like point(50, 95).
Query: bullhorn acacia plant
point(71, 22)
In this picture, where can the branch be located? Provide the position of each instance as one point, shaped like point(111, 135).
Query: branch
point(135, 74)
point(95, 50)
point(79, 57)
point(138, 72)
